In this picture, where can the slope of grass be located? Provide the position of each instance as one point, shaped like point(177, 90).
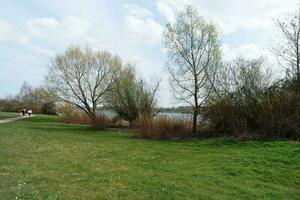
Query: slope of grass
point(5, 115)
point(43, 159)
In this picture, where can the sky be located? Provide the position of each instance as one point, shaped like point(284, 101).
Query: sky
point(32, 32)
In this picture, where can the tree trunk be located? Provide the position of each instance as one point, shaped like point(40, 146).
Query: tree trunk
point(195, 115)
point(298, 68)
point(131, 123)
point(98, 122)
point(298, 63)
point(94, 121)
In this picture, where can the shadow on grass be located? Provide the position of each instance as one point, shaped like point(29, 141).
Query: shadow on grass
point(65, 128)
point(57, 128)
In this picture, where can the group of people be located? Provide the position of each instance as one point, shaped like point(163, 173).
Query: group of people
point(24, 111)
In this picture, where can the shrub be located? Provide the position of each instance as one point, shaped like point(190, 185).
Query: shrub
point(101, 122)
point(271, 114)
point(69, 114)
point(164, 128)
point(279, 114)
point(227, 118)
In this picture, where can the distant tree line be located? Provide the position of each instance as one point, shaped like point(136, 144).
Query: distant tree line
point(38, 99)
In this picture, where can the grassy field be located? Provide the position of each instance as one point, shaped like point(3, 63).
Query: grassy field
point(4, 115)
point(43, 159)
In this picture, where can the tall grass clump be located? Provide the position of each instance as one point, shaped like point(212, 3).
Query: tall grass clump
point(162, 128)
point(69, 114)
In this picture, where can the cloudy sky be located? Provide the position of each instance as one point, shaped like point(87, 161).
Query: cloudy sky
point(33, 31)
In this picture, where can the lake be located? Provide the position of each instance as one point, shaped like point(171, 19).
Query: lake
point(182, 116)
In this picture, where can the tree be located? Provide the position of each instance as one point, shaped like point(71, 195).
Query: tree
point(242, 87)
point(25, 93)
point(246, 77)
point(82, 77)
point(288, 51)
point(44, 100)
point(39, 99)
point(130, 97)
point(193, 49)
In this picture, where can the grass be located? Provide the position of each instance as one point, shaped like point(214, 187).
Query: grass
point(5, 115)
point(43, 159)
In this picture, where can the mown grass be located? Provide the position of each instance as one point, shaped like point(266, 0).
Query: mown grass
point(5, 115)
point(43, 159)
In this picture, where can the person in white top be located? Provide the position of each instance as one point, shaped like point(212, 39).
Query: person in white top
point(29, 112)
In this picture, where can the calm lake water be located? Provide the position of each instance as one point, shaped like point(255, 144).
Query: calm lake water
point(181, 116)
point(111, 114)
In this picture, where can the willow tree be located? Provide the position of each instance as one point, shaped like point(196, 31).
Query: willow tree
point(193, 50)
point(130, 97)
point(82, 77)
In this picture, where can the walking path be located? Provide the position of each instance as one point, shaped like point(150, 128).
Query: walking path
point(13, 119)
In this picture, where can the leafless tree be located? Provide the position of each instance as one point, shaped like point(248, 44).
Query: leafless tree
point(288, 51)
point(244, 76)
point(82, 77)
point(25, 94)
point(193, 50)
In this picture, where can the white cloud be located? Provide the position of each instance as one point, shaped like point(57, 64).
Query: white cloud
point(9, 33)
point(249, 51)
point(17, 36)
point(5, 30)
point(232, 15)
point(61, 33)
point(140, 26)
point(167, 8)
point(69, 28)
point(42, 27)
point(35, 49)
point(137, 11)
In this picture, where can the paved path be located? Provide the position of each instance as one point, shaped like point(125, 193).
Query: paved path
point(13, 119)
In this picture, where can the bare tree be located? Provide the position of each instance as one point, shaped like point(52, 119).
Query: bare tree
point(246, 76)
point(193, 49)
point(25, 94)
point(288, 51)
point(82, 77)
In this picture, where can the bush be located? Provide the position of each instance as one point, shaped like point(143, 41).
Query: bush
point(164, 128)
point(273, 113)
point(101, 122)
point(69, 114)
point(279, 114)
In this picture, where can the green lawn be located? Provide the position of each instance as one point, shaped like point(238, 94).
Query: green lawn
point(4, 115)
point(43, 159)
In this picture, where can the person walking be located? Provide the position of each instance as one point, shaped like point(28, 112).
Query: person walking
point(23, 112)
point(29, 112)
